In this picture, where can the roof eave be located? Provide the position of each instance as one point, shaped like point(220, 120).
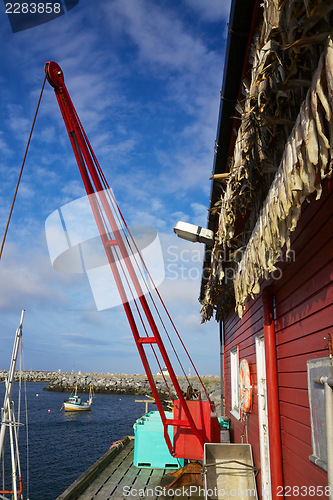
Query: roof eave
point(243, 15)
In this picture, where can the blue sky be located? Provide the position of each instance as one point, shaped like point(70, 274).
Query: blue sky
point(145, 78)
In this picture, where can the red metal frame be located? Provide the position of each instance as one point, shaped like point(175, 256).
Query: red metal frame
point(93, 185)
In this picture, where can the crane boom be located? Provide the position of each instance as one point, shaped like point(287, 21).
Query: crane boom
point(115, 248)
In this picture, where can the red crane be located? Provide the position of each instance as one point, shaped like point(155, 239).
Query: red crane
point(195, 422)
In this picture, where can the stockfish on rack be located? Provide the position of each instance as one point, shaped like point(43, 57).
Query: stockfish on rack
point(307, 159)
point(283, 111)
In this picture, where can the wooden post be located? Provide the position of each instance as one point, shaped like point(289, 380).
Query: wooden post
point(144, 401)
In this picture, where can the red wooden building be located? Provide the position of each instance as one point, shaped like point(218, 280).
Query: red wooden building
point(268, 278)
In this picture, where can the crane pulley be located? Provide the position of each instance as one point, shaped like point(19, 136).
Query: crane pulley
point(195, 422)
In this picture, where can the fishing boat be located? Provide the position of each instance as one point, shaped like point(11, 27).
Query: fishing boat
point(75, 402)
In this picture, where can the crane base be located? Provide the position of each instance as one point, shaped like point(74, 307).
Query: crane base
point(188, 475)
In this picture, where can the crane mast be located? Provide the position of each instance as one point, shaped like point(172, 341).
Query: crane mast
point(115, 248)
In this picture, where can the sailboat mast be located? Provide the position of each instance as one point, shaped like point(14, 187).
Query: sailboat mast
point(12, 450)
point(5, 411)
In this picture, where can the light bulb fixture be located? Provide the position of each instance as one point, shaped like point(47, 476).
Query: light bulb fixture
point(191, 232)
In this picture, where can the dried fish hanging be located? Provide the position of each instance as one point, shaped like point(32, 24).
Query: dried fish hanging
point(284, 55)
point(307, 159)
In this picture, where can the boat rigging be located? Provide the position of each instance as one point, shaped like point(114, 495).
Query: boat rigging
point(11, 424)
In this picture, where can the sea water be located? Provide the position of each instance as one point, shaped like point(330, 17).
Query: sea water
point(62, 445)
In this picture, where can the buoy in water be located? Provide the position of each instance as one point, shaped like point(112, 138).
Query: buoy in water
point(36, 395)
point(49, 411)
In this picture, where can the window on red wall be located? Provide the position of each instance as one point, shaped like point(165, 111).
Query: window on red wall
point(234, 362)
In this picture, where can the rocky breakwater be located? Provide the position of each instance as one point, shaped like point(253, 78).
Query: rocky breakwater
point(115, 383)
point(102, 383)
point(31, 375)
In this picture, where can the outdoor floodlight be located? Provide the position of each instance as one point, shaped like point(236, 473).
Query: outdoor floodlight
point(194, 233)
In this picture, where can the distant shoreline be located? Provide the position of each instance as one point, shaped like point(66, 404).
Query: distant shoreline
point(116, 383)
point(48, 376)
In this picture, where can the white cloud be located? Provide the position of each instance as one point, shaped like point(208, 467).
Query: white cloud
point(117, 151)
point(77, 340)
point(210, 10)
point(200, 214)
point(3, 145)
point(145, 79)
point(158, 33)
point(26, 282)
point(73, 189)
point(180, 216)
point(48, 134)
point(26, 190)
point(17, 121)
point(190, 322)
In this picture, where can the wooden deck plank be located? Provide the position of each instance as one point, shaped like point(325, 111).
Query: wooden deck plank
point(113, 470)
point(116, 463)
point(114, 489)
point(157, 475)
point(115, 478)
point(156, 480)
point(111, 483)
point(142, 479)
point(86, 496)
point(121, 472)
point(127, 480)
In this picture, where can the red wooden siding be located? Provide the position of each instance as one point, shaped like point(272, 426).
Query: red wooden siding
point(304, 316)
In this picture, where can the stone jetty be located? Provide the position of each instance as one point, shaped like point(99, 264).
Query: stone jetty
point(32, 376)
point(116, 383)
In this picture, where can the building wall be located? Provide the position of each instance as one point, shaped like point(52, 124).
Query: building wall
point(304, 316)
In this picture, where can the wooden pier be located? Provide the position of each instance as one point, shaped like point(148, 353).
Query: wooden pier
point(114, 477)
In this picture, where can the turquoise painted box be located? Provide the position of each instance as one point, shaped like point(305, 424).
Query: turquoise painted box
point(150, 448)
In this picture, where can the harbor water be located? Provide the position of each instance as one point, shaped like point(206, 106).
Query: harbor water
point(63, 445)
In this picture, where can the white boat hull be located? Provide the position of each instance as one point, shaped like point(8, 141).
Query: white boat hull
point(77, 407)
point(75, 402)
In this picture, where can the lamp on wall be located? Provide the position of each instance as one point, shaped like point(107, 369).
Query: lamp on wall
point(193, 233)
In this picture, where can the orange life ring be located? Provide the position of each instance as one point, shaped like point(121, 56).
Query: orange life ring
point(245, 392)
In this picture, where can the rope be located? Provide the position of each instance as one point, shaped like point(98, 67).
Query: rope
point(117, 444)
point(21, 171)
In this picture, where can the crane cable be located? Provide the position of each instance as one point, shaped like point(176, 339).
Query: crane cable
point(117, 213)
point(21, 171)
point(134, 300)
